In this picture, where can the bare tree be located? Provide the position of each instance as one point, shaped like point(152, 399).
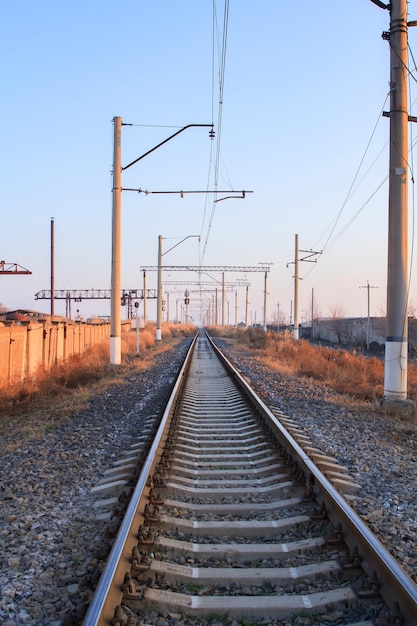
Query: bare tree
point(412, 308)
point(279, 317)
point(338, 323)
point(382, 311)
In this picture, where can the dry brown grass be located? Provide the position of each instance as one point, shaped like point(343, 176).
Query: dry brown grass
point(358, 377)
point(70, 384)
point(55, 395)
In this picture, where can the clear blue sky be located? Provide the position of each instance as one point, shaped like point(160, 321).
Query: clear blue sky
point(304, 87)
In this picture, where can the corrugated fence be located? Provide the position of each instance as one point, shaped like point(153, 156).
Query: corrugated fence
point(26, 348)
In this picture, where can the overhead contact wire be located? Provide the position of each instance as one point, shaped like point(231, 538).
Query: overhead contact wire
point(220, 113)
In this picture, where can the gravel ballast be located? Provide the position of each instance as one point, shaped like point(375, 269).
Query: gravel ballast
point(53, 544)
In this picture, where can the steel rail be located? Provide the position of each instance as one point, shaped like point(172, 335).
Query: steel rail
point(396, 587)
point(101, 609)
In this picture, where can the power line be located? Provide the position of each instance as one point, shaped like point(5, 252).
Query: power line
point(350, 190)
point(222, 70)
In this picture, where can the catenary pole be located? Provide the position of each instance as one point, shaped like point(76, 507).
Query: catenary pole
point(144, 299)
point(223, 301)
point(368, 324)
point(52, 268)
point(159, 293)
point(396, 343)
point(216, 321)
point(115, 322)
point(312, 313)
point(296, 331)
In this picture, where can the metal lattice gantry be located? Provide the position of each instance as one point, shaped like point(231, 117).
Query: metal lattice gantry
point(201, 269)
point(205, 269)
point(205, 283)
point(127, 296)
point(92, 294)
point(208, 289)
point(12, 269)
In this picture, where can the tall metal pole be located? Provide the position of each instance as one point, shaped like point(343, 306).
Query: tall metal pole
point(115, 321)
point(247, 306)
point(187, 300)
point(396, 344)
point(223, 298)
point(137, 330)
point(296, 324)
point(144, 298)
point(159, 293)
point(216, 321)
point(368, 323)
point(312, 313)
point(236, 308)
point(265, 292)
point(52, 268)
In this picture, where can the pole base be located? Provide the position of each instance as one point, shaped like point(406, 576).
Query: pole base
point(115, 350)
point(398, 407)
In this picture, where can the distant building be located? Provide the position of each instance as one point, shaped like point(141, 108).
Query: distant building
point(23, 315)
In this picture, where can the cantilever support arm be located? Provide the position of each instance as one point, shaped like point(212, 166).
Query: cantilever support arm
point(380, 4)
point(165, 141)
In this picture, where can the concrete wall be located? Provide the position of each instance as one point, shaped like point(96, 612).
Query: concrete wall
point(25, 348)
point(350, 330)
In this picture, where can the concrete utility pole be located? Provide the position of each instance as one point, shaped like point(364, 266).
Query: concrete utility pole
point(159, 291)
point(159, 303)
point(265, 266)
point(216, 314)
point(52, 267)
point(296, 279)
point(312, 313)
point(167, 293)
point(223, 300)
point(116, 324)
point(115, 321)
point(144, 300)
point(308, 258)
point(396, 343)
point(368, 326)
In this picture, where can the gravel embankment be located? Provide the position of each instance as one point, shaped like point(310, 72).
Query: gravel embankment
point(380, 451)
point(52, 546)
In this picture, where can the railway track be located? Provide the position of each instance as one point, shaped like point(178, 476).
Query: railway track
point(235, 519)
